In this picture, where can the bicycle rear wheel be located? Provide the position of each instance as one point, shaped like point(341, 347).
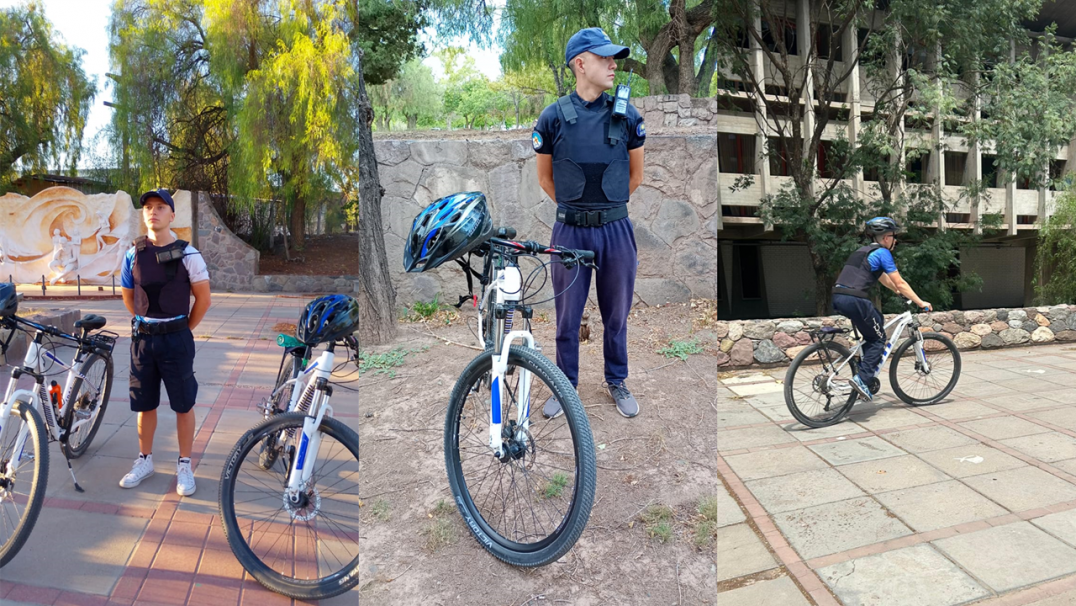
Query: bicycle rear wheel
point(918, 384)
point(309, 549)
point(529, 507)
point(816, 393)
point(22, 490)
point(88, 396)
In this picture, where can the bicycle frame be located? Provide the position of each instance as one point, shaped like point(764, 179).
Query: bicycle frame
point(901, 321)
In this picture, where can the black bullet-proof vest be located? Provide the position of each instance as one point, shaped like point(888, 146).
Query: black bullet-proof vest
point(160, 290)
point(856, 278)
point(593, 146)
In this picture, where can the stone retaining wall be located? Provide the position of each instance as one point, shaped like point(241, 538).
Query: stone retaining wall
point(676, 111)
point(750, 342)
point(232, 263)
point(345, 285)
point(674, 211)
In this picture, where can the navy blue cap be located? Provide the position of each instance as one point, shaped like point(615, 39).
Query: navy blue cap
point(158, 193)
point(593, 39)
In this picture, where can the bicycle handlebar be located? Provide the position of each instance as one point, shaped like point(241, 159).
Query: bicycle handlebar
point(534, 248)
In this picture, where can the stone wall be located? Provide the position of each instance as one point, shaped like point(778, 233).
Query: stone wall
point(750, 342)
point(674, 211)
point(676, 111)
point(64, 319)
point(232, 262)
point(345, 285)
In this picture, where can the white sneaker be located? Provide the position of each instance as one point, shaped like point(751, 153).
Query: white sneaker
point(184, 478)
point(142, 469)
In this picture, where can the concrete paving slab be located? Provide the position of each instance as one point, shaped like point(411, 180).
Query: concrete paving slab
point(1068, 465)
point(728, 511)
point(856, 451)
point(774, 462)
point(92, 555)
point(778, 413)
point(888, 415)
point(735, 439)
point(781, 591)
point(1062, 417)
point(806, 434)
point(740, 552)
point(1020, 402)
point(1010, 556)
point(906, 577)
point(733, 418)
point(1061, 525)
point(767, 399)
point(1023, 488)
point(958, 409)
point(1046, 447)
point(893, 473)
point(977, 389)
point(940, 505)
point(805, 489)
point(1065, 599)
point(926, 439)
point(1061, 396)
point(1003, 428)
point(974, 459)
point(757, 388)
point(756, 377)
point(836, 527)
point(1028, 385)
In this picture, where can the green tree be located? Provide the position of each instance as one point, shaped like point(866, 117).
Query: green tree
point(1055, 262)
point(45, 95)
point(417, 94)
point(909, 56)
point(388, 35)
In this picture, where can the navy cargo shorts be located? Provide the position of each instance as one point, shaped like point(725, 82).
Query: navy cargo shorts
point(168, 358)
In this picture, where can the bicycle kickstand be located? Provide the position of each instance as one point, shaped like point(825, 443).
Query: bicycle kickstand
point(69, 468)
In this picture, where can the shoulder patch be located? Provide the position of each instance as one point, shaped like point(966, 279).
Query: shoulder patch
point(536, 141)
point(641, 129)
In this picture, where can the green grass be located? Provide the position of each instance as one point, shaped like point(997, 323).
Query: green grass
point(658, 520)
point(383, 363)
point(555, 486)
point(681, 349)
point(381, 510)
point(706, 528)
point(442, 508)
point(439, 531)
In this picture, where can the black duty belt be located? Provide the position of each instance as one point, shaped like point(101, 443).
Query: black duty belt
point(593, 218)
point(844, 290)
point(159, 328)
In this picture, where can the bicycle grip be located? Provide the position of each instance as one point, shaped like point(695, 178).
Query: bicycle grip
point(505, 233)
point(586, 255)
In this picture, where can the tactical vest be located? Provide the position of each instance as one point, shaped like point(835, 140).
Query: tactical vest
point(856, 278)
point(579, 144)
point(161, 290)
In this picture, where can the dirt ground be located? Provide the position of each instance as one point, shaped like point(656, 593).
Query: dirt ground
point(333, 255)
point(415, 551)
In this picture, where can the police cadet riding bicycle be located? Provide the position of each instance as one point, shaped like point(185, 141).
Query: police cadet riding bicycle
point(925, 367)
point(524, 484)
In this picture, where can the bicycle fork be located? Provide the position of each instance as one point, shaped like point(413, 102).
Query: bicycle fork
point(498, 392)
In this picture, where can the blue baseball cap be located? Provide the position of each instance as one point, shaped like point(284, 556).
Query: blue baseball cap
point(593, 39)
point(161, 193)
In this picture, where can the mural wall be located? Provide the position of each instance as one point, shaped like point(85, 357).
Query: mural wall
point(62, 234)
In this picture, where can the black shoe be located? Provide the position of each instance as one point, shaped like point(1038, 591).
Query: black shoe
point(552, 409)
point(626, 404)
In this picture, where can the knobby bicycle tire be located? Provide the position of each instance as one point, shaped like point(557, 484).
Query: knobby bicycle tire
point(89, 431)
point(319, 588)
point(40, 465)
point(556, 544)
point(899, 357)
point(836, 353)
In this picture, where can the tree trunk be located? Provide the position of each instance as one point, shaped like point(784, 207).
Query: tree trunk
point(823, 285)
point(298, 222)
point(377, 297)
point(709, 63)
point(412, 122)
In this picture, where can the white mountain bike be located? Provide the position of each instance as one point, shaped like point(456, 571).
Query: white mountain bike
point(289, 498)
point(925, 368)
point(29, 419)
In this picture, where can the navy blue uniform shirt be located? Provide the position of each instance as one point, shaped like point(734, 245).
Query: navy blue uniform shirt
point(593, 119)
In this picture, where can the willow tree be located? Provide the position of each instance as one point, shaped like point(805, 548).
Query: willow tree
point(281, 64)
point(45, 95)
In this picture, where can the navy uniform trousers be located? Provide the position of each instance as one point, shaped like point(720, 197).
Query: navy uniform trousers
point(616, 257)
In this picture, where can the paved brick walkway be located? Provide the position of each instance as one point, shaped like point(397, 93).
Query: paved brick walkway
point(147, 545)
point(972, 500)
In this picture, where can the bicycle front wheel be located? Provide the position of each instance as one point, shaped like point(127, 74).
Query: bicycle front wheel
point(89, 399)
point(22, 486)
point(920, 384)
point(306, 548)
point(817, 393)
point(290, 367)
point(529, 506)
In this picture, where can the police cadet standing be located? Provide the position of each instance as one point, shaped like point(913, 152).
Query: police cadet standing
point(590, 159)
point(159, 276)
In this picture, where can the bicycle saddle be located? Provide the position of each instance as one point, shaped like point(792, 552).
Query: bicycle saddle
point(833, 330)
point(90, 322)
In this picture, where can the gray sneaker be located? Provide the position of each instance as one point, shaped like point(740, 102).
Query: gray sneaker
point(552, 409)
point(626, 404)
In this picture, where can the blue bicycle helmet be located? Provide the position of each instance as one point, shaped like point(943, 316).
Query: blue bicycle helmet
point(882, 225)
point(446, 230)
point(327, 319)
point(9, 301)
